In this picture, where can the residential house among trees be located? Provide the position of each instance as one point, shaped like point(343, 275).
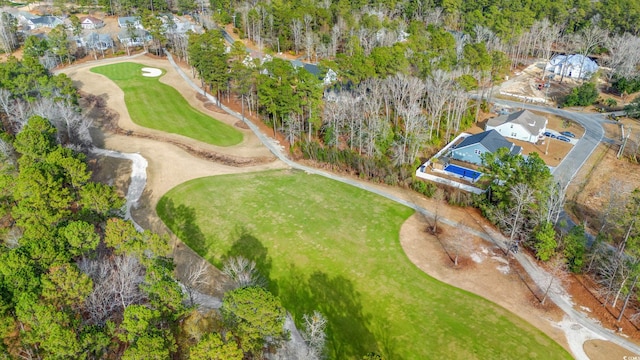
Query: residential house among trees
point(574, 66)
point(471, 148)
point(90, 23)
point(124, 22)
point(134, 37)
point(520, 125)
point(44, 22)
point(97, 41)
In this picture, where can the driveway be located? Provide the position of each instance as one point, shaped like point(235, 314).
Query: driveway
point(594, 134)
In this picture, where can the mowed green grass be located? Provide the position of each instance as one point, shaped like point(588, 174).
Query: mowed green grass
point(158, 106)
point(335, 248)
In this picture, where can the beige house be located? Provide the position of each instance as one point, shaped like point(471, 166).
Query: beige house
point(91, 23)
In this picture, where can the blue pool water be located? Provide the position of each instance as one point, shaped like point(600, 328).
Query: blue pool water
point(466, 173)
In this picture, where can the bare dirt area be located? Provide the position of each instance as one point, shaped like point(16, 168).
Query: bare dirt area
point(594, 183)
point(525, 85)
point(598, 349)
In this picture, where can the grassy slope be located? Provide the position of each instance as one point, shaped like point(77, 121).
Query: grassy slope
point(158, 106)
point(329, 246)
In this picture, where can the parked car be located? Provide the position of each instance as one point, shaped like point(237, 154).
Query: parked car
point(563, 138)
point(568, 134)
point(548, 134)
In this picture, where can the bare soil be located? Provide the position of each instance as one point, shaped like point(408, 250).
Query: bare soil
point(599, 349)
point(170, 165)
point(525, 83)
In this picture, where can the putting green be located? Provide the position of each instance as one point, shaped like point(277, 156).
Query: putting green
point(158, 106)
point(328, 246)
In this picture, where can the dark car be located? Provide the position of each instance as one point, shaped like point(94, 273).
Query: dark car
point(548, 134)
point(568, 134)
point(564, 138)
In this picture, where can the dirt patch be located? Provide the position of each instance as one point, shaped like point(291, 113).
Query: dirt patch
point(604, 350)
point(241, 125)
point(526, 83)
point(111, 171)
point(591, 189)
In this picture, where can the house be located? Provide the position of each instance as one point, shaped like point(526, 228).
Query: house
point(520, 125)
point(180, 27)
point(471, 148)
point(44, 22)
point(330, 76)
point(136, 37)
point(574, 66)
point(95, 41)
point(124, 22)
point(90, 23)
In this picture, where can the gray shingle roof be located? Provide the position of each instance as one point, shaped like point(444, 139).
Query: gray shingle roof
point(46, 20)
point(530, 121)
point(491, 140)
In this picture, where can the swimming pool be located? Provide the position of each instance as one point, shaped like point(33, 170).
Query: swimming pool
point(464, 172)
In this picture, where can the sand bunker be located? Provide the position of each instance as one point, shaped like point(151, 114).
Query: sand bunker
point(151, 72)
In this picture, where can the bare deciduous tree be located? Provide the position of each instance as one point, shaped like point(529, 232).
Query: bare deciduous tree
point(512, 219)
point(243, 272)
point(314, 334)
point(296, 31)
point(115, 285)
point(586, 41)
point(196, 279)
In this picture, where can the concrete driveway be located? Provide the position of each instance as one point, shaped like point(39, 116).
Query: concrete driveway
point(583, 148)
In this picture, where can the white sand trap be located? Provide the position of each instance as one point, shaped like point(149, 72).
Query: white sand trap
point(151, 72)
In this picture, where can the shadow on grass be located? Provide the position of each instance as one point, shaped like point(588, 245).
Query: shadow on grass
point(251, 248)
point(348, 333)
point(182, 220)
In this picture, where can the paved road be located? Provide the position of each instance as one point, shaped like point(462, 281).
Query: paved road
point(533, 270)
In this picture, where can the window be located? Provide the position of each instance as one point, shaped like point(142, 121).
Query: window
point(477, 152)
point(514, 134)
point(512, 126)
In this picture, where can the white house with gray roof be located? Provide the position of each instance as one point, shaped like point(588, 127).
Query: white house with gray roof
point(471, 148)
point(125, 21)
point(44, 22)
point(520, 125)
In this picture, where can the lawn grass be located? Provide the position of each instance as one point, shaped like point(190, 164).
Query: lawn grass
point(332, 247)
point(158, 106)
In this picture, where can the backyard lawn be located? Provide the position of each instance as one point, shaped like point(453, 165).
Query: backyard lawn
point(158, 106)
point(332, 247)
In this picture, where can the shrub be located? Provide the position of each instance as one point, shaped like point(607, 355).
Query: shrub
point(583, 95)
